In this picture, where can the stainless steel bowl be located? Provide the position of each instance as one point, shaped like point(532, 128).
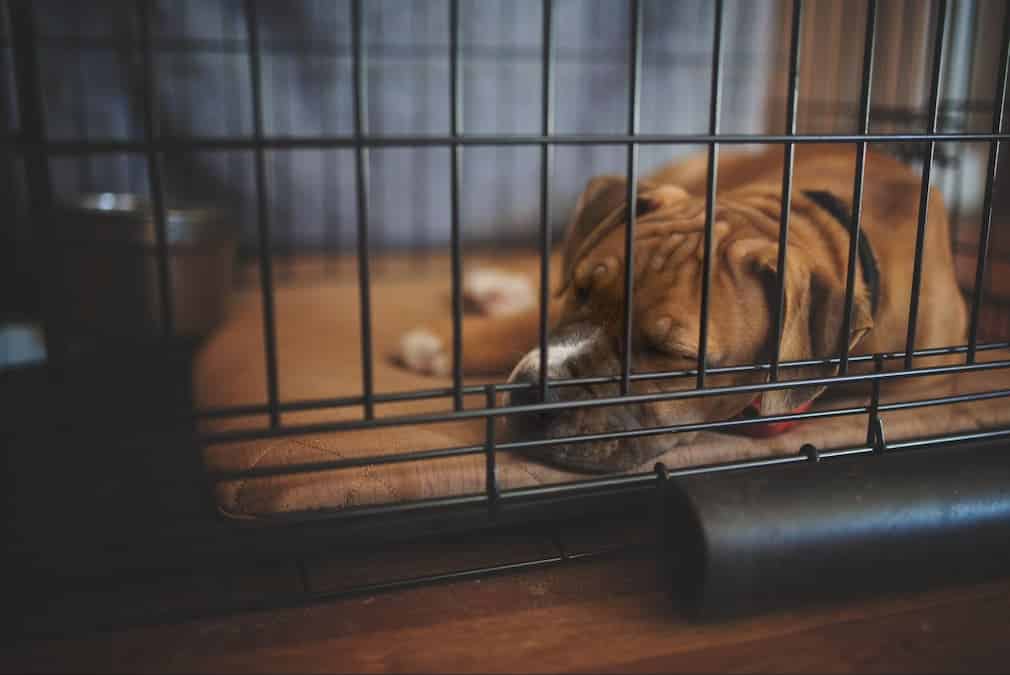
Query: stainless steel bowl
point(106, 283)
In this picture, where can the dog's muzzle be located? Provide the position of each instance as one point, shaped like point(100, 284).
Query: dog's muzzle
point(573, 352)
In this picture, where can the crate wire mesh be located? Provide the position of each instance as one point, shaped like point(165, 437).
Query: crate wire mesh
point(34, 147)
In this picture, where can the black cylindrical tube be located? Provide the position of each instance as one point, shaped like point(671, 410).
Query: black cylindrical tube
point(747, 541)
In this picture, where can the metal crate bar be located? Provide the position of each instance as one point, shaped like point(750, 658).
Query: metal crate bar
point(787, 187)
point(959, 398)
point(325, 47)
point(680, 428)
point(422, 455)
point(994, 147)
point(857, 188)
point(634, 115)
point(992, 434)
point(491, 460)
point(309, 597)
point(352, 463)
point(166, 143)
point(32, 126)
point(455, 155)
point(626, 399)
point(722, 425)
point(262, 215)
point(927, 169)
point(546, 151)
point(415, 395)
point(512, 446)
point(317, 404)
point(361, 179)
point(620, 482)
point(874, 426)
point(711, 180)
point(150, 102)
point(627, 481)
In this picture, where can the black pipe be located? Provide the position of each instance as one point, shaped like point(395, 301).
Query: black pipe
point(742, 542)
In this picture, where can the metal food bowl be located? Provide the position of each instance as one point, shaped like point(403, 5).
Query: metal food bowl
point(107, 280)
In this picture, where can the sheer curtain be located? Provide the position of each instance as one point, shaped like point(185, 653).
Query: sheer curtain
point(203, 72)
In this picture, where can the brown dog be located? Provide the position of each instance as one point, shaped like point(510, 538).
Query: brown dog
point(586, 313)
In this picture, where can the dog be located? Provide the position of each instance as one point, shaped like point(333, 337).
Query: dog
point(587, 308)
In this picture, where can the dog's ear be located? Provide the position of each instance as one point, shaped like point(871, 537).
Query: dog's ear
point(814, 311)
point(601, 201)
point(602, 196)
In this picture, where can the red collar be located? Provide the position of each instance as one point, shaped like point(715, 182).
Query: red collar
point(766, 429)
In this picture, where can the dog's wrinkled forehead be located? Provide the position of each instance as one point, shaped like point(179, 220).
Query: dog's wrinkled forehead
point(669, 250)
point(669, 255)
point(602, 208)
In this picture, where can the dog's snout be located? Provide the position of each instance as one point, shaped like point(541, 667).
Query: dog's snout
point(564, 353)
point(530, 424)
point(529, 393)
point(527, 374)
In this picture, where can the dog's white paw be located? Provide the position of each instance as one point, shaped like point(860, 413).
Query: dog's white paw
point(422, 351)
point(495, 292)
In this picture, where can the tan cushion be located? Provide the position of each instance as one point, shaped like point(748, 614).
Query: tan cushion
point(319, 356)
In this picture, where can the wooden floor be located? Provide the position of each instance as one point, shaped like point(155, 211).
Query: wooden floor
point(603, 615)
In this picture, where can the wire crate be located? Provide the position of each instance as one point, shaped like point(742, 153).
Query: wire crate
point(952, 120)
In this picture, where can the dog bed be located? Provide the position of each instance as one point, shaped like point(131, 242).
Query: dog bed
point(319, 356)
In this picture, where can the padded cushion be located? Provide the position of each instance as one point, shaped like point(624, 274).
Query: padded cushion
point(319, 356)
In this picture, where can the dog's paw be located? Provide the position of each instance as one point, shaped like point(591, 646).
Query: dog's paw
point(494, 292)
point(424, 352)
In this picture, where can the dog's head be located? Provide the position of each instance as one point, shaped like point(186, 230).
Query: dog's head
point(668, 266)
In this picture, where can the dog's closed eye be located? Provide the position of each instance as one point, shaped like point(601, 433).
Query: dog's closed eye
point(663, 348)
point(583, 287)
point(650, 348)
point(684, 351)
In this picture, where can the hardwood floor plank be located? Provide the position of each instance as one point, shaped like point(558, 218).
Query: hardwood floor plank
point(589, 616)
point(430, 557)
point(960, 636)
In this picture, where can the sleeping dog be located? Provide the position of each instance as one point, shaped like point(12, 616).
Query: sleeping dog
point(587, 309)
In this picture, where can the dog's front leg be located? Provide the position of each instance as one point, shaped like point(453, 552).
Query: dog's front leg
point(491, 344)
point(502, 323)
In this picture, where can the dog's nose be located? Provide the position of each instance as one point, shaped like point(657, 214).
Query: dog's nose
point(529, 423)
point(530, 395)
